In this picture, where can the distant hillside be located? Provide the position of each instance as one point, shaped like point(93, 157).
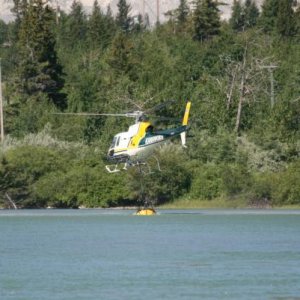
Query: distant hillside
point(150, 7)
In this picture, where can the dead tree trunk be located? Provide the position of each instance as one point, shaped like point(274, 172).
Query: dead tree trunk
point(230, 94)
point(11, 201)
point(242, 92)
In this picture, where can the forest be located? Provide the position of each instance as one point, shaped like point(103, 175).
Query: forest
point(242, 76)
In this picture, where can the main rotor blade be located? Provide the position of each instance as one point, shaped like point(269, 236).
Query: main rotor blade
point(129, 115)
point(160, 106)
point(160, 118)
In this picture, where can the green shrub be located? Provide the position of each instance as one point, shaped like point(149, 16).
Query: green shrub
point(286, 190)
point(236, 179)
point(206, 182)
point(260, 192)
point(81, 186)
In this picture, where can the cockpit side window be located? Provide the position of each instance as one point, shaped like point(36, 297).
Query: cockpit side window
point(118, 141)
point(113, 142)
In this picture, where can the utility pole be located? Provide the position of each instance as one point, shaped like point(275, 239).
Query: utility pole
point(1, 109)
point(271, 69)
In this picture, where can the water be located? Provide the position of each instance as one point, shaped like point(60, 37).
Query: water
point(111, 254)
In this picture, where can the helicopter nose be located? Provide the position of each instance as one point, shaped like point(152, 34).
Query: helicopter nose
point(111, 153)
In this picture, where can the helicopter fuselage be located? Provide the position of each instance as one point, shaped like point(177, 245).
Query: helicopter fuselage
point(140, 141)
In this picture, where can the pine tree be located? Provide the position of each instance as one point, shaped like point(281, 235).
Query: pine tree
point(297, 18)
point(96, 25)
point(237, 20)
point(251, 14)
point(182, 12)
point(124, 21)
point(138, 24)
point(39, 69)
point(19, 8)
point(3, 32)
point(206, 19)
point(76, 26)
point(109, 13)
point(269, 14)
point(120, 54)
point(110, 27)
point(286, 25)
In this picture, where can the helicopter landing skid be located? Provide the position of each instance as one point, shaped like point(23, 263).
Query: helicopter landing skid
point(144, 167)
point(115, 168)
point(112, 168)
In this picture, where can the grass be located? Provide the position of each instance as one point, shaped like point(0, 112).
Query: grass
point(294, 206)
point(218, 204)
point(204, 204)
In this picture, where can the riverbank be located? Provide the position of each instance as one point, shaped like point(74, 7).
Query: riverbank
point(197, 204)
point(220, 204)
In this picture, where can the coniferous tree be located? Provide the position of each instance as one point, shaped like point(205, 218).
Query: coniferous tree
point(96, 25)
point(76, 24)
point(138, 24)
point(124, 21)
point(237, 20)
point(18, 10)
point(120, 54)
point(182, 12)
point(3, 32)
point(39, 69)
point(285, 24)
point(297, 18)
point(109, 13)
point(268, 17)
point(206, 19)
point(110, 26)
point(251, 14)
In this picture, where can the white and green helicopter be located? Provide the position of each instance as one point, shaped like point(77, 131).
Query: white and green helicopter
point(134, 146)
point(138, 143)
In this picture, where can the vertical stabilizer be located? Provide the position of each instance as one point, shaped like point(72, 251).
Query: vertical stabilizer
point(185, 122)
point(186, 113)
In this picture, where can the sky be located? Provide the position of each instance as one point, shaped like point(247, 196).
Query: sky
point(150, 7)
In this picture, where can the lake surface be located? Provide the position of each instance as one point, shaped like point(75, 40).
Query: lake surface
point(111, 254)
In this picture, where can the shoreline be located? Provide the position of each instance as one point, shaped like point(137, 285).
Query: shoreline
point(169, 207)
point(187, 204)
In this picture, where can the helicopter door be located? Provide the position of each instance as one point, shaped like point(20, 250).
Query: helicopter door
point(124, 141)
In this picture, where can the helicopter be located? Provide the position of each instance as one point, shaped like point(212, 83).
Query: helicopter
point(134, 146)
point(138, 143)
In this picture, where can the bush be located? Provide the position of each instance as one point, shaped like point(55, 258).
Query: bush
point(236, 179)
point(206, 182)
point(81, 186)
point(286, 189)
point(260, 194)
point(217, 148)
point(23, 166)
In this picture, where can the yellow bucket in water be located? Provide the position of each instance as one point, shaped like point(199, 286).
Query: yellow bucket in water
point(146, 212)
